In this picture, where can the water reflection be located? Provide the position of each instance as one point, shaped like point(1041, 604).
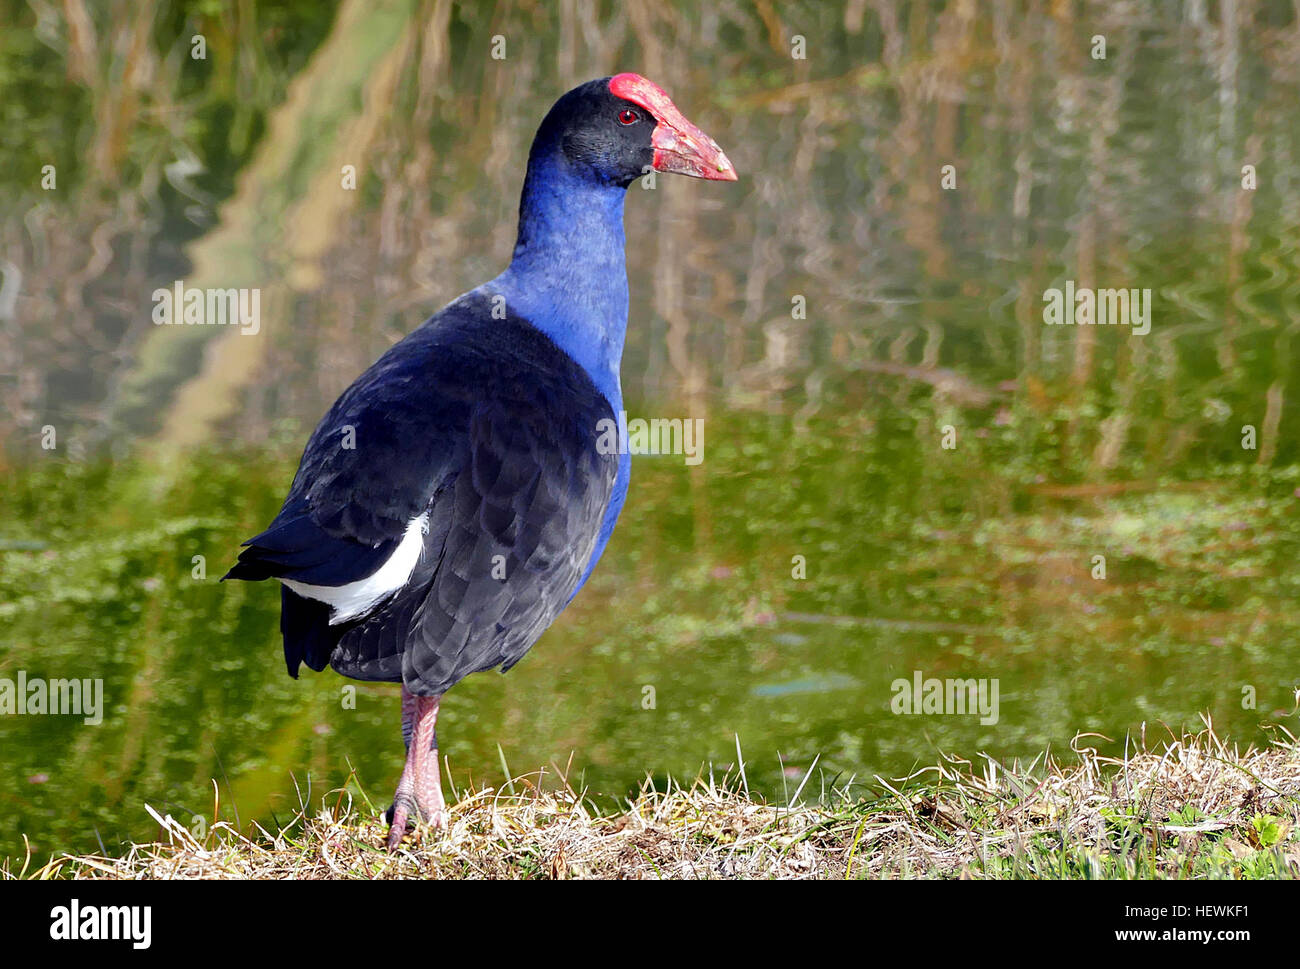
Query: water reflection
point(833, 321)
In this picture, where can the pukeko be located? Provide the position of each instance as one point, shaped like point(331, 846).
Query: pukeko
point(456, 496)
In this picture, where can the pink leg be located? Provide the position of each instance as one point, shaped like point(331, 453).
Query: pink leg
point(419, 792)
point(404, 799)
point(428, 783)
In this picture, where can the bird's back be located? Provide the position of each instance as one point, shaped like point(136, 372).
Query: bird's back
point(464, 463)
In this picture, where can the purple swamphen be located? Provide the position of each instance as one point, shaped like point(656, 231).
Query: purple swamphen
point(454, 498)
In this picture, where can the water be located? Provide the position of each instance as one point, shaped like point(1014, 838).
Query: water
point(824, 453)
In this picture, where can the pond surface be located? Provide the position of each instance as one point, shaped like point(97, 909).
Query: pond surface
point(906, 473)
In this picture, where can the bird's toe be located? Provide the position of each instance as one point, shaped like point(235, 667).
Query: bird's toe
point(434, 817)
point(405, 814)
point(401, 815)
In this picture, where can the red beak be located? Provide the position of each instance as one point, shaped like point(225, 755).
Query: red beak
point(680, 147)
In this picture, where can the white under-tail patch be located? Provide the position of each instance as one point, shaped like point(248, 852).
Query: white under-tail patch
point(357, 598)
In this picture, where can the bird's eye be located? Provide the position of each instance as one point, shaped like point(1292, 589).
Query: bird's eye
point(627, 116)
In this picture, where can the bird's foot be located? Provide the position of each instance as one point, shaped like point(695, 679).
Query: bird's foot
point(435, 817)
point(405, 814)
point(397, 820)
point(419, 792)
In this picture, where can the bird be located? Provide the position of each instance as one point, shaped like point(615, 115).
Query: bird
point(457, 495)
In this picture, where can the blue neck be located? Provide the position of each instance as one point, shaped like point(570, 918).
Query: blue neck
point(568, 276)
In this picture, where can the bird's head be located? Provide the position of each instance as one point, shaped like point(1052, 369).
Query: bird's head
point(619, 128)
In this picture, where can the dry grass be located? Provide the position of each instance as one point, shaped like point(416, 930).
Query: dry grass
point(1191, 807)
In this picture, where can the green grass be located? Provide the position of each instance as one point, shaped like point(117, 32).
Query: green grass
point(1192, 809)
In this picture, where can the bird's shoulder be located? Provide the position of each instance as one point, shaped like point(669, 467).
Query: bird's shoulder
point(462, 357)
point(406, 422)
point(470, 390)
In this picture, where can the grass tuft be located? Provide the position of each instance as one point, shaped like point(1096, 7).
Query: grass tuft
point(1192, 807)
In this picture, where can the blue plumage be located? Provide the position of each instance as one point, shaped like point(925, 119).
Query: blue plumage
point(487, 428)
point(455, 497)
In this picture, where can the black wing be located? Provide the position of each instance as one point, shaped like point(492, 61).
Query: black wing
point(489, 429)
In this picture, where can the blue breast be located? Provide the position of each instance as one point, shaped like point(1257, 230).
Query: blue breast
point(568, 278)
